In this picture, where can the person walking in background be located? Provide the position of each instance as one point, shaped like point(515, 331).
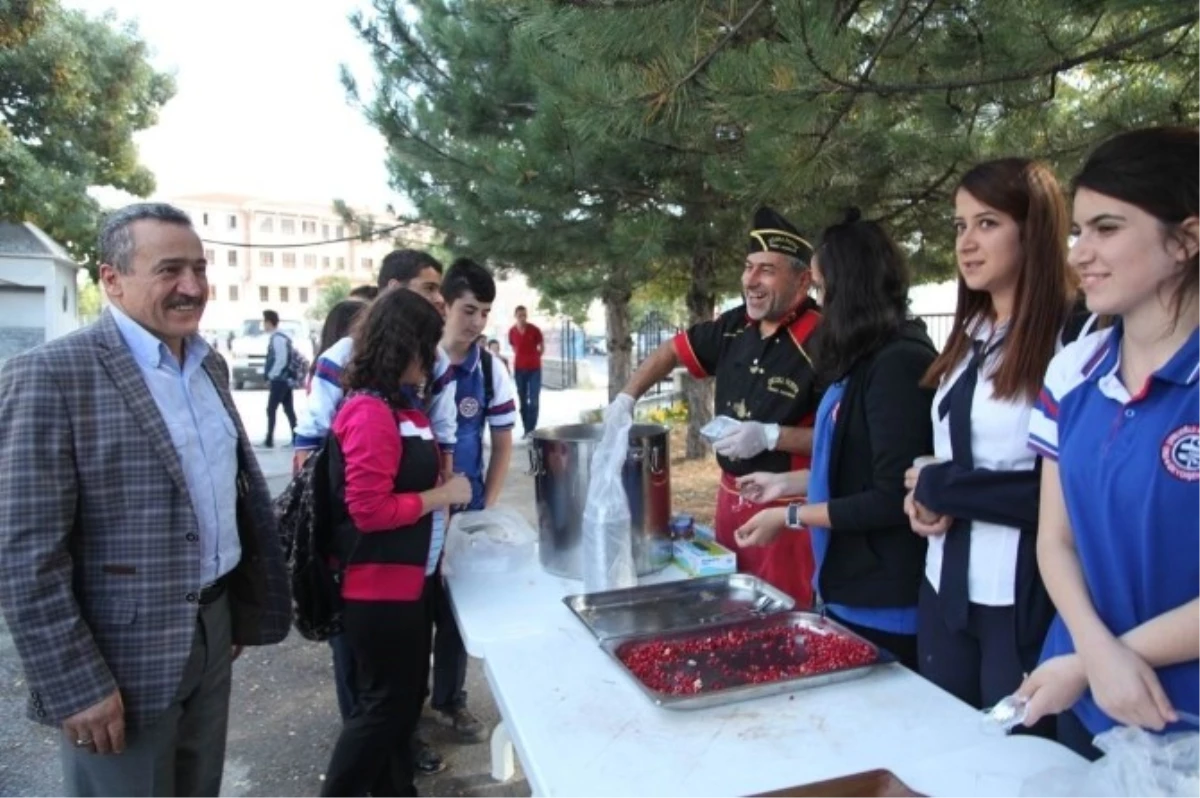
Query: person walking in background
point(872, 422)
point(138, 547)
point(385, 483)
point(278, 374)
point(493, 348)
point(983, 609)
point(1119, 427)
point(528, 347)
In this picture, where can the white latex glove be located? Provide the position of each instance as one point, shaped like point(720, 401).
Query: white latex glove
point(621, 408)
point(746, 441)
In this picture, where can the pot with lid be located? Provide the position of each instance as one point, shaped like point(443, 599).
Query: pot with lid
point(560, 463)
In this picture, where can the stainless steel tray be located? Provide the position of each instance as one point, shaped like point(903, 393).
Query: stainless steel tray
point(677, 605)
point(729, 695)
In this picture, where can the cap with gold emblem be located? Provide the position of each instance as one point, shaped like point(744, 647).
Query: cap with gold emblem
point(773, 233)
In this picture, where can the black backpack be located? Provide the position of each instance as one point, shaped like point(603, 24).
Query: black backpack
point(489, 392)
point(303, 514)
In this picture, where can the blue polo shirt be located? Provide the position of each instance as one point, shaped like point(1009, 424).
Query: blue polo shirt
point(1130, 472)
point(473, 410)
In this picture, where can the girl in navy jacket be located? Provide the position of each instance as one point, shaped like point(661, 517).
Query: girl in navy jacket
point(983, 609)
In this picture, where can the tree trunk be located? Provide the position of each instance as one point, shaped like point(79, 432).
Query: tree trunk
point(698, 394)
point(620, 344)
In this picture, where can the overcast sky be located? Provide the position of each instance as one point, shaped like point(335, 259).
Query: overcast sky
point(259, 108)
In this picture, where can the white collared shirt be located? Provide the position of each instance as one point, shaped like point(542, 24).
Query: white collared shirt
point(999, 441)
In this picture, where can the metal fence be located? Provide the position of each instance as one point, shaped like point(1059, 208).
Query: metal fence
point(938, 325)
point(655, 330)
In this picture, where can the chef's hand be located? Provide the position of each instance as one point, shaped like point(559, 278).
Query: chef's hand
point(1053, 688)
point(1126, 687)
point(923, 521)
point(749, 439)
point(620, 409)
point(764, 488)
point(762, 528)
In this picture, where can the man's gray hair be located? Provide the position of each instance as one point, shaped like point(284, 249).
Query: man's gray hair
point(116, 240)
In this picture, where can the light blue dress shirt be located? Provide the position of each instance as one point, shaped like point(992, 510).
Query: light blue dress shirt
point(204, 436)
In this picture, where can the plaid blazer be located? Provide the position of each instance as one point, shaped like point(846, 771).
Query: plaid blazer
point(99, 561)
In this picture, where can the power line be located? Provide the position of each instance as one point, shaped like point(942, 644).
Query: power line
point(367, 237)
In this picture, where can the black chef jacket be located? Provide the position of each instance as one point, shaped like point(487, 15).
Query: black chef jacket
point(770, 380)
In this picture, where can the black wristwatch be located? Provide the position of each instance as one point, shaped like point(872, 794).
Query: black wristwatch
point(793, 516)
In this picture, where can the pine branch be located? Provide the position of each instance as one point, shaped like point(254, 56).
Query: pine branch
point(1106, 51)
point(840, 116)
point(659, 100)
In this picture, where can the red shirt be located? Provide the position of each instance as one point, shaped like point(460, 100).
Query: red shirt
point(526, 348)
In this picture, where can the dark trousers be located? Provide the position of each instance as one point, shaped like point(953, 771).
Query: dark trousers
point(980, 664)
point(1074, 735)
point(390, 643)
point(529, 388)
point(902, 647)
point(343, 674)
point(183, 751)
point(449, 653)
point(281, 394)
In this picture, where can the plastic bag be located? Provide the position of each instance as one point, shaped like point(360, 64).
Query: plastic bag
point(607, 546)
point(493, 541)
point(718, 428)
point(1135, 762)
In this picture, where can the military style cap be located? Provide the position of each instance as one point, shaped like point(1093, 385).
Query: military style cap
point(773, 233)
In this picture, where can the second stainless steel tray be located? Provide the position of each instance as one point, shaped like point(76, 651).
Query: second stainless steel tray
point(677, 605)
point(796, 620)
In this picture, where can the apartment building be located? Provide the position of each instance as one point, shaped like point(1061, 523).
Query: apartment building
point(265, 253)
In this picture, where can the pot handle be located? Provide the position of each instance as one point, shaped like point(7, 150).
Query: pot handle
point(657, 467)
point(535, 463)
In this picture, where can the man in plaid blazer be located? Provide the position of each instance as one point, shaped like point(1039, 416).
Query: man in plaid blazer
point(138, 548)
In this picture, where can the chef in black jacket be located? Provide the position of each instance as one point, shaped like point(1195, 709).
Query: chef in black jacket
point(765, 379)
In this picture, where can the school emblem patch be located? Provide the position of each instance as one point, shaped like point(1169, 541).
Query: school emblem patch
point(468, 407)
point(1181, 453)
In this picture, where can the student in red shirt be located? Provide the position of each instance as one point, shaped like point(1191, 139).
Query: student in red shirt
point(528, 346)
point(385, 484)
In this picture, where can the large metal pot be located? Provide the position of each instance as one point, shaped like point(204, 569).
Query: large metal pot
point(560, 462)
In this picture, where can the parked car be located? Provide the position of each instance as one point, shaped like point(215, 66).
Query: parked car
point(597, 345)
point(249, 351)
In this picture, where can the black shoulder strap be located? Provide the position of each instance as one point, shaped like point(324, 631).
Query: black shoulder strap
point(1077, 321)
point(489, 392)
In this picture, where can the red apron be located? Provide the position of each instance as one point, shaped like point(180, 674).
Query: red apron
point(787, 563)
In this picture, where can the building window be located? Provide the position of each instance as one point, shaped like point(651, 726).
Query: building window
point(310, 261)
point(212, 292)
point(283, 293)
point(263, 294)
point(289, 260)
point(367, 264)
point(266, 259)
point(340, 232)
point(232, 221)
point(287, 227)
point(204, 219)
point(308, 227)
point(324, 231)
point(209, 256)
point(341, 264)
point(233, 257)
point(233, 293)
point(303, 291)
point(325, 263)
point(267, 225)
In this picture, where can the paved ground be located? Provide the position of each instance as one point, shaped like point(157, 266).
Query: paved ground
point(284, 719)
